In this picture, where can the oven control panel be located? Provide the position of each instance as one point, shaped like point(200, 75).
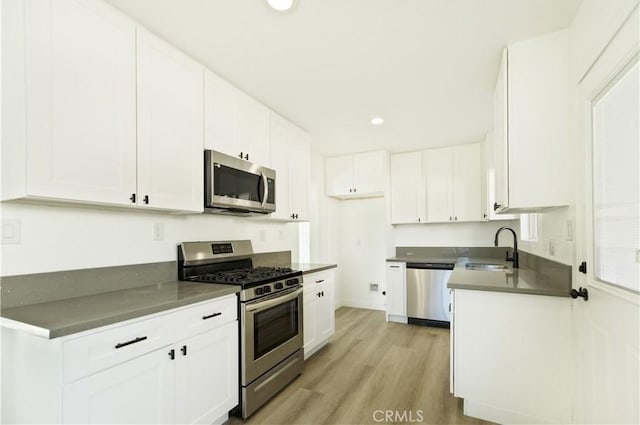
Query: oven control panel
point(269, 288)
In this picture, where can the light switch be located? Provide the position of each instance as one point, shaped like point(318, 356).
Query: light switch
point(158, 231)
point(10, 232)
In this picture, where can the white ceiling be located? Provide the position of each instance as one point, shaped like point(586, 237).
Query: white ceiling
point(427, 66)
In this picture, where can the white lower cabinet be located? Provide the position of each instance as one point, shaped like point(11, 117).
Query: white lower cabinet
point(139, 391)
point(179, 366)
point(396, 292)
point(511, 356)
point(318, 310)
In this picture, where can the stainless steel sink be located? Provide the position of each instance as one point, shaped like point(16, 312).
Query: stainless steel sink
point(488, 267)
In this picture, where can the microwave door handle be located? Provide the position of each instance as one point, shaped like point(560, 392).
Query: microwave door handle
point(265, 186)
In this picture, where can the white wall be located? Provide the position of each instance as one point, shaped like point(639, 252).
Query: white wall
point(363, 243)
point(67, 238)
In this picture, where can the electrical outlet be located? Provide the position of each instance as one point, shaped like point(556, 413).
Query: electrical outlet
point(158, 231)
point(552, 247)
point(10, 232)
point(373, 287)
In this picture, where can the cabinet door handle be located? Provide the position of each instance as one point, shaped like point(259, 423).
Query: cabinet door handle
point(350, 190)
point(384, 292)
point(320, 281)
point(146, 199)
point(455, 218)
point(246, 156)
point(496, 206)
point(322, 293)
point(172, 354)
point(184, 350)
point(211, 315)
point(450, 218)
point(354, 190)
point(133, 341)
point(241, 156)
point(133, 198)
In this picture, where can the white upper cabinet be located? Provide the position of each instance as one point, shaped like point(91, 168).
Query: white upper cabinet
point(290, 159)
point(235, 123)
point(531, 132)
point(361, 175)
point(69, 117)
point(489, 182)
point(407, 188)
point(170, 127)
point(453, 183)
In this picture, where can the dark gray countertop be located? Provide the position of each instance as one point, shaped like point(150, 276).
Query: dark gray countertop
point(64, 317)
point(307, 268)
point(536, 275)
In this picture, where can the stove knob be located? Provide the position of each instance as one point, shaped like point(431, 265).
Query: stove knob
point(279, 285)
point(266, 289)
point(295, 281)
point(258, 291)
point(289, 282)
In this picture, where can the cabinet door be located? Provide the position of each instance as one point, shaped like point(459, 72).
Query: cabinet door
point(207, 375)
point(80, 88)
point(253, 130)
point(280, 136)
point(501, 137)
point(325, 311)
point(310, 298)
point(407, 188)
point(489, 182)
point(170, 127)
point(339, 175)
point(396, 290)
point(139, 391)
point(369, 173)
point(467, 182)
point(220, 115)
point(299, 174)
point(439, 171)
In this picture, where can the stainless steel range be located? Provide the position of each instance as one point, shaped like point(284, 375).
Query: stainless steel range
point(271, 314)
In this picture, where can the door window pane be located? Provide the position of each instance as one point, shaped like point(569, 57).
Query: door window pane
point(616, 182)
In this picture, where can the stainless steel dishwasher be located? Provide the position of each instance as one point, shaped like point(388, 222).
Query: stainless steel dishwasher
point(428, 298)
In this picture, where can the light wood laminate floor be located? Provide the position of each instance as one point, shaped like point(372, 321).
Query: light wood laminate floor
point(367, 366)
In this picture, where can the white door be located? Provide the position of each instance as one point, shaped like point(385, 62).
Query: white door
point(500, 135)
point(280, 130)
point(80, 86)
point(253, 130)
point(467, 182)
point(325, 310)
point(220, 114)
point(438, 171)
point(299, 174)
point(310, 299)
point(407, 188)
point(609, 224)
point(139, 391)
point(170, 127)
point(339, 175)
point(207, 375)
point(369, 172)
point(396, 290)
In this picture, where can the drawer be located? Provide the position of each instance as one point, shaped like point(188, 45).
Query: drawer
point(312, 280)
point(89, 354)
point(206, 316)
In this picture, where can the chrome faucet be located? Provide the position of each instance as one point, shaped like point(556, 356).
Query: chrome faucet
point(514, 257)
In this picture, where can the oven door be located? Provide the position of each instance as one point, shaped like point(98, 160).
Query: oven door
point(271, 331)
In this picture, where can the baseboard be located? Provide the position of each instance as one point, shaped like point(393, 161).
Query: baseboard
point(363, 304)
point(501, 416)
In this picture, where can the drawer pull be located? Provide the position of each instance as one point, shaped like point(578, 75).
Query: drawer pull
point(211, 315)
point(320, 281)
point(133, 341)
point(394, 267)
point(184, 350)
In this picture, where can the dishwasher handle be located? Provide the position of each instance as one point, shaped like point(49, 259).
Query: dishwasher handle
point(431, 266)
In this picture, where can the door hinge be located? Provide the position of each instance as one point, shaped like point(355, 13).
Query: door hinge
point(582, 268)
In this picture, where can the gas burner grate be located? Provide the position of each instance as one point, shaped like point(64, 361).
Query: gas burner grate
point(246, 275)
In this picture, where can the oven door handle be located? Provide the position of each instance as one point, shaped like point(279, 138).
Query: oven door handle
point(265, 187)
point(262, 305)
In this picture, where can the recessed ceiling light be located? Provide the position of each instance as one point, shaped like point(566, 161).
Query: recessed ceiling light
point(377, 121)
point(281, 5)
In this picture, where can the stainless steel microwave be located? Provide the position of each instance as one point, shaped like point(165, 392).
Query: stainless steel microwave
point(236, 186)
